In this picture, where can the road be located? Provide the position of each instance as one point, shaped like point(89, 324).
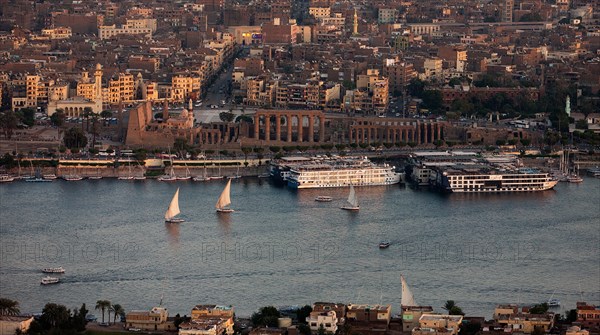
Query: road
point(218, 94)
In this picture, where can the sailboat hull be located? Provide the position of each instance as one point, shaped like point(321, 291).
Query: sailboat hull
point(350, 208)
point(175, 220)
point(225, 210)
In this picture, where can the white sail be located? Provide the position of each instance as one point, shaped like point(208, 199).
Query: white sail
point(352, 200)
point(224, 199)
point(173, 207)
point(407, 296)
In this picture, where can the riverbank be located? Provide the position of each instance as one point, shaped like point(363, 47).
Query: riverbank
point(110, 171)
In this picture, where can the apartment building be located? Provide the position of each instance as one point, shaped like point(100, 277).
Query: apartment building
point(121, 88)
point(154, 319)
point(434, 324)
point(399, 74)
point(319, 12)
point(57, 33)
point(209, 320)
point(182, 87)
point(143, 27)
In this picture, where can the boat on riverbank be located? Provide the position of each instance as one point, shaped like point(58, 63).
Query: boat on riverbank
point(4, 178)
point(473, 179)
point(72, 177)
point(341, 172)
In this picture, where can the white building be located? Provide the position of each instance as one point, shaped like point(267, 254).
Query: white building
point(328, 320)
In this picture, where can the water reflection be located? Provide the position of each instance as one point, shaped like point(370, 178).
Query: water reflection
point(500, 197)
point(224, 222)
point(173, 233)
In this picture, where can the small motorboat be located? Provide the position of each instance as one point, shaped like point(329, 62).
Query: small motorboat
point(49, 280)
point(72, 177)
point(6, 178)
point(59, 269)
point(553, 302)
point(323, 198)
point(384, 244)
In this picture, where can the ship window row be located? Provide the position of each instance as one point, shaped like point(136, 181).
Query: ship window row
point(504, 178)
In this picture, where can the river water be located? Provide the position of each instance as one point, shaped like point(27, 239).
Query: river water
point(280, 247)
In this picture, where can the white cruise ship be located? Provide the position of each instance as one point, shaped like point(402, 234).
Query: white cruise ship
point(341, 172)
point(478, 181)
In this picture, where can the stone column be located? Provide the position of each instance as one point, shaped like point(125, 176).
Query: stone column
point(278, 129)
point(256, 126)
point(289, 127)
point(425, 133)
point(418, 133)
point(321, 128)
point(267, 127)
point(368, 135)
point(311, 128)
point(439, 131)
point(300, 126)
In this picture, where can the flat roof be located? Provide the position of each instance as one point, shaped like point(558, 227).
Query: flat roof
point(433, 317)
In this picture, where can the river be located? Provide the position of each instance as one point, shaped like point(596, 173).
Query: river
point(280, 247)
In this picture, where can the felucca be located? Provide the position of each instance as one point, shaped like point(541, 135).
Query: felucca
point(170, 215)
point(224, 201)
point(352, 201)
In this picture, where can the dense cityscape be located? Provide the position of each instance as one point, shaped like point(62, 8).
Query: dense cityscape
point(259, 104)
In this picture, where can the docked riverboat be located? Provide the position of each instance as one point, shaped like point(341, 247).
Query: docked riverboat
point(479, 181)
point(341, 172)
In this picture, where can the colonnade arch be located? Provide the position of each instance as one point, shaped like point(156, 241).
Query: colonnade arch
point(289, 126)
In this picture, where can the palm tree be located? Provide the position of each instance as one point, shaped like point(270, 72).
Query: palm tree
point(452, 308)
point(9, 307)
point(102, 305)
point(118, 311)
point(109, 309)
point(87, 112)
point(94, 129)
point(449, 304)
point(55, 314)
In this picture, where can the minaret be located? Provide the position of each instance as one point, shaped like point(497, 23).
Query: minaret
point(190, 106)
point(165, 110)
point(98, 81)
point(98, 87)
point(568, 106)
point(355, 24)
